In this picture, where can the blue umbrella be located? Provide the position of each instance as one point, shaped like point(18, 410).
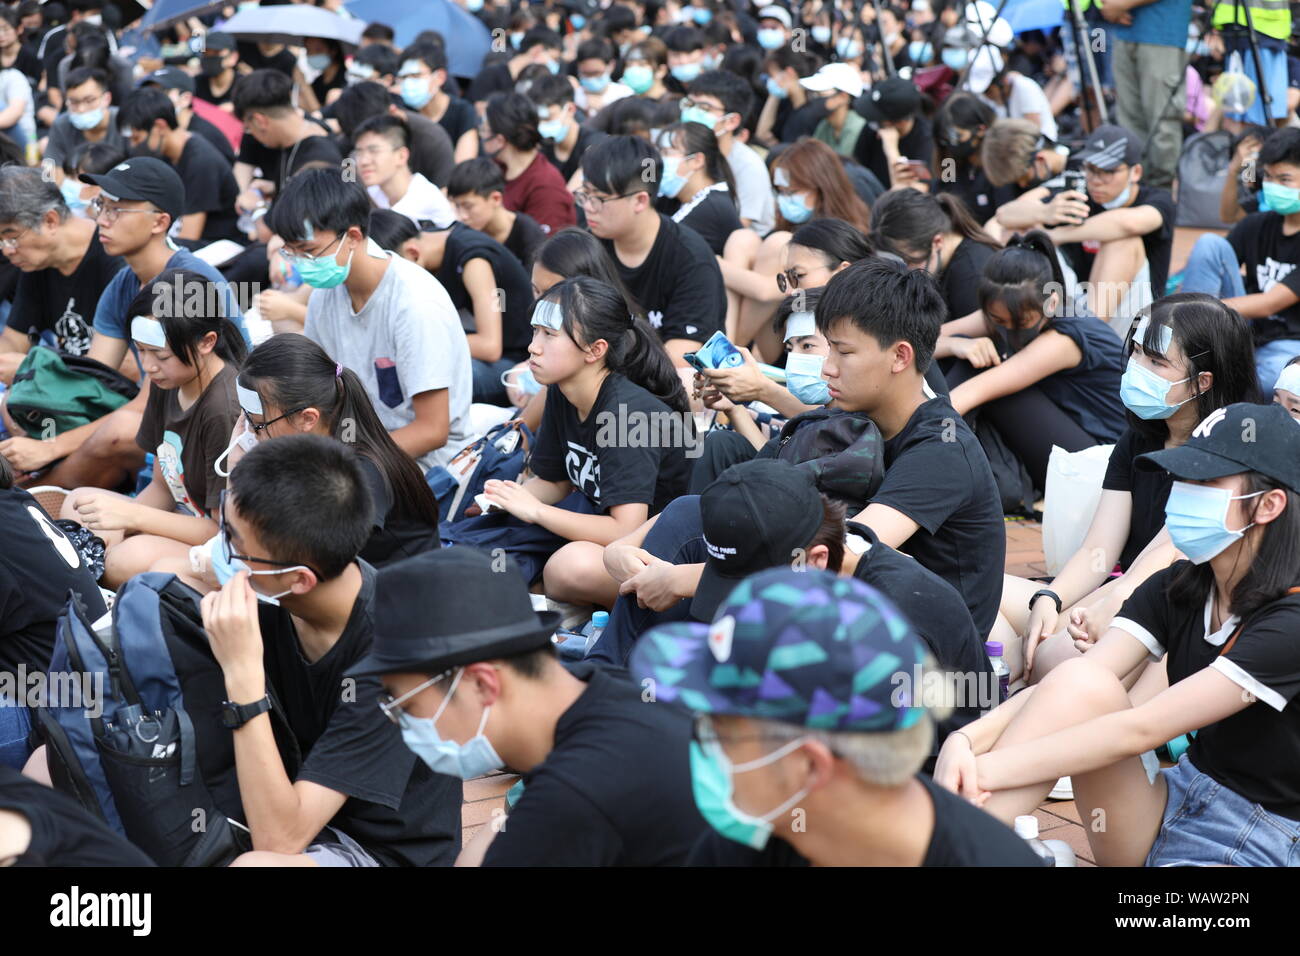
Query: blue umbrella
point(468, 40)
point(164, 13)
point(292, 22)
point(1024, 15)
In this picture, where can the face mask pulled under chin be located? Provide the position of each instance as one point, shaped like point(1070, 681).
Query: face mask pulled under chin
point(225, 567)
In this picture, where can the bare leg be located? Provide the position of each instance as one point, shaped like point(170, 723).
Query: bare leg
point(755, 313)
point(267, 858)
point(110, 538)
point(1120, 808)
point(1117, 262)
point(137, 554)
point(576, 575)
point(107, 459)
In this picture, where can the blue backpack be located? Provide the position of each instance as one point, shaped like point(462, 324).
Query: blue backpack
point(142, 746)
point(501, 453)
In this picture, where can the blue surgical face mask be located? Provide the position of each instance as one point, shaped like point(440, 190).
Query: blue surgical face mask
point(1281, 199)
point(793, 208)
point(775, 89)
point(770, 38)
point(714, 792)
point(578, 21)
point(672, 182)
point(1119, 200)
point(803, 377)
point(594, 84)
point(639, 78)
point(954, 57)
point(473, 6)
point(686, 72)
point(703, 16)
point(553, 66)
point(1144, 393)
point(87, 120)
point(694, 114)
point(318, 61)
point(471, 759)
point(226, 567)
point(516, 39)
point(416, 92)
point(72, 195)
point(525, 381)
point(821, 35)
point(1196, 516)
point(323, 272)
point(554, 130)
point(920, 51)
point(848, 48)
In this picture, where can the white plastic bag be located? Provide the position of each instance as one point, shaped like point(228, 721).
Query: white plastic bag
point(1073, 490)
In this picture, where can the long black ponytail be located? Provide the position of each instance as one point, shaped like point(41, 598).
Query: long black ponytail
point(593, 310)
point(292, 372)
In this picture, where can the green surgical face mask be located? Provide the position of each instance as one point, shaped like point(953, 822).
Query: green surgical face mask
point(712, 786)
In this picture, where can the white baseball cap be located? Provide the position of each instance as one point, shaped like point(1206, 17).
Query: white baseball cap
point(774, 12)
point(987, 64)
point(982, 14)
point(835, 76)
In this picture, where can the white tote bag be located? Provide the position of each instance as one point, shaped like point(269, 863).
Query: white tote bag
point(1073, 490)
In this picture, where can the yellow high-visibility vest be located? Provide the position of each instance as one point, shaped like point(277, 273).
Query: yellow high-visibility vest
point(1272, 18)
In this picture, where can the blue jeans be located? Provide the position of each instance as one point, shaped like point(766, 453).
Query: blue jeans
point(1207, 824)
point(15, 725)
point(677, 537)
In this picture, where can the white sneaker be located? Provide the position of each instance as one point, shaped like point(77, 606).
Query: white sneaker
point(1064, 790)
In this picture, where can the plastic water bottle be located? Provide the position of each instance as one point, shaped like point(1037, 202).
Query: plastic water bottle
point(994, 651)
point(1027, 830)
point(595, 627)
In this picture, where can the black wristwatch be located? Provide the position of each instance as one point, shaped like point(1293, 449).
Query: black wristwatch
point(1051, 594)
point(234, 716)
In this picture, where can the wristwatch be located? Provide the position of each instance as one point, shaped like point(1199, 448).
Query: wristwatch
point(234, 716)
point(1051, 594)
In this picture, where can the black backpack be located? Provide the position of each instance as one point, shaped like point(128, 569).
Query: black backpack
point(144, 748)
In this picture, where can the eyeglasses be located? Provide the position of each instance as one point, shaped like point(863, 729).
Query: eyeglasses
point(235, 555)
point(109, 214)
point(258, 429)
point(392, 706)
point(704, 733)
point(293, 258)
point(9, 245)
point(593, 203)
point(787, 280)
point(688, 103)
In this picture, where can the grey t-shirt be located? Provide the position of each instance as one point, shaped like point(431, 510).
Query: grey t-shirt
point(753, 188)
point(406, 340)
point(65, 138)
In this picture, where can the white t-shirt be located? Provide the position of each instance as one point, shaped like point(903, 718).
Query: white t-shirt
point(753, 188)
point(1026, 97)
point(406, 340)
point(613, 92)
point(14, 86)
point(423, 200)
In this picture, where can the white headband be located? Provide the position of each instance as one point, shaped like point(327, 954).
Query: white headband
point(149, 332)
point(548, 314)
point(1289, 379)
point(249, 400)
point(800, 324)
point(1166, 335)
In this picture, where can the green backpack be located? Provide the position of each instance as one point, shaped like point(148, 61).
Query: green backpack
point(64, 391)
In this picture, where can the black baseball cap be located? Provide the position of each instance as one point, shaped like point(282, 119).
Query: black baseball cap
point(1110, 146)
point(755, 515)
point(169, 78)
point(1231, 440)
point(890, 100)
point(142, 179)
point(448, 608)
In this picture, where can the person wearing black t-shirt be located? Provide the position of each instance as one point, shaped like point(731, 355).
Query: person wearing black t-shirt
point(1195, 355)
point(669, 269)
point(476, 188)
point(215, 83)
point(697, 174)
point(148, 120)
point(279, 140)
point(63, 269)
point(180, 87)
point(564, 138)
point(896, 127)
point(38, 568)
point(1224, 621)
point(612, 447)
point(475, 686)
point(486, 284)
point(938, 502)
point(959, 130)
point(423, 81)
point(360, 798)
point(42, 827)
point(821, 713)
point(1123, 242)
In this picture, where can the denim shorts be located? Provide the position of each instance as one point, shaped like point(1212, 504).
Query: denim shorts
point(1207, 824)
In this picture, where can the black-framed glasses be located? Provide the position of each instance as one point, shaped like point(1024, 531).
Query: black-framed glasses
point(597, 203)
point(787, 280)
point(258, 429)
point(234, 555)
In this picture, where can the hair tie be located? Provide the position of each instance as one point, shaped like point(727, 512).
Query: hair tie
point(338, 370)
